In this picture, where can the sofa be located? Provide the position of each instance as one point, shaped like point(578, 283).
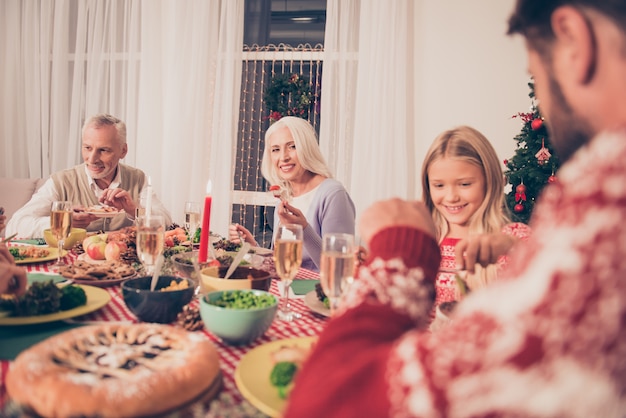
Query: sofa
point(14, 193)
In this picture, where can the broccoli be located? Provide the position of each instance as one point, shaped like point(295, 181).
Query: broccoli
point(72, 297)
point(15, 252)
point(41, 298)
point(282, 377)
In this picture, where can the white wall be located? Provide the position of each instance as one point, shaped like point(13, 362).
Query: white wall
point(472, 72)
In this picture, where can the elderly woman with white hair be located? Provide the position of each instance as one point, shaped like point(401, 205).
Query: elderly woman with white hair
point(310, 196)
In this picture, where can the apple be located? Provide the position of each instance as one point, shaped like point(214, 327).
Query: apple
point(113, 250)
point(95, 250)
point(95, 245)
point(94, 238)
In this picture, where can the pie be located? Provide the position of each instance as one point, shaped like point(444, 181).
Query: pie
point(87, 272)
point(114, 370)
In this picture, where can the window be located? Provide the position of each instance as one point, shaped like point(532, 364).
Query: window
point(271, 28)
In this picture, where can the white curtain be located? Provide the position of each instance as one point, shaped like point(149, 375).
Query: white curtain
point(168, 68)
point(369, 136)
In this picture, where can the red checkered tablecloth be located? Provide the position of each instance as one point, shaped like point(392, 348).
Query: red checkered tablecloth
point(310, 324)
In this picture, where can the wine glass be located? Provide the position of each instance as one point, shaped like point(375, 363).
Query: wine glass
point(336, 266)
point(287, 260)
point(192, 219)
point(150, 240)
point(60, 225)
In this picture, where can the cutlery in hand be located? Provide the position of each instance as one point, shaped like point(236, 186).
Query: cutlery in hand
point(238, 257)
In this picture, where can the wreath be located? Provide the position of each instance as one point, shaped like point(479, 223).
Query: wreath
point(288, 95)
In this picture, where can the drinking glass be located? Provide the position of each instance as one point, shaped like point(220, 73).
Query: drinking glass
point(60, 224)
point(150, 240)
point(287, 260)
point(336, 266)
point(192, 219)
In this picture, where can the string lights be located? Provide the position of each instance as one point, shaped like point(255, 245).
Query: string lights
point(252, 205)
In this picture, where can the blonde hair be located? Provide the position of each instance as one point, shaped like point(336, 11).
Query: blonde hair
point(467, 144)
point(307, 149)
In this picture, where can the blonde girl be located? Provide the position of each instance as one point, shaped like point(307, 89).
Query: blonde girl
point(463, 187)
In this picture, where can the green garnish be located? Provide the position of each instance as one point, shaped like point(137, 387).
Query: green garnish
point(15, 252)
point(282, 377)
point(237, 299)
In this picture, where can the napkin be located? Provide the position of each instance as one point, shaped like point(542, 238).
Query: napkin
point(34, 241)
point(15, 339)
point(303, 286)
point(44, 277)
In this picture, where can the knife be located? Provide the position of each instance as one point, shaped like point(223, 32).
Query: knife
point(238, 257)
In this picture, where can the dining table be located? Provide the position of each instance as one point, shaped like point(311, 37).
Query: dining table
point(229, 401)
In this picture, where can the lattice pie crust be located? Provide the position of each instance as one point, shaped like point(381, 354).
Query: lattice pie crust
point(113, 370)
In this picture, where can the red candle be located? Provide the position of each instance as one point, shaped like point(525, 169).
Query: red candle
point(206, 221)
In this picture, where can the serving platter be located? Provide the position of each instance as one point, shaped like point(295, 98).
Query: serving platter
point(252, 375)
point(52, 255)
point(104, 283)
point(96, 299)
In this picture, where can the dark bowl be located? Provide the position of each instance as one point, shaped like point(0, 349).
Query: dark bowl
point(156, 306)
point(244, 277)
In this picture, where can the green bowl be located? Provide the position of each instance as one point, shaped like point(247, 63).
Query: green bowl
point(237, 326)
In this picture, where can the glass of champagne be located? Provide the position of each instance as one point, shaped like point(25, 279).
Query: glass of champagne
point(150, 240)
point(60, 224)
point(287, 259)
point(336, 266)
point(192, 219)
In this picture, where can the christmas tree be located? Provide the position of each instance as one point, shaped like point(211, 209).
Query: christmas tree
point(533, 165)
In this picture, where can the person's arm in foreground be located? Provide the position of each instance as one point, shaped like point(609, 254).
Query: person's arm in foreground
point(486, 249)
point(393, 294)
point(12, 277)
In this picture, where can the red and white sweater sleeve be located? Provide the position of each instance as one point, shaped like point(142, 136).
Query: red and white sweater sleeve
point(394, 293)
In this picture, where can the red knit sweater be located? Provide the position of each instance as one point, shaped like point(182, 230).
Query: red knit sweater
point(550, 343)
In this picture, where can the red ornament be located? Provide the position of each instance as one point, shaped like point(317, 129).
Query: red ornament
point(518, 208)
point(521, 188)
point(552, 179)
point(536, 124)
point(506, 162)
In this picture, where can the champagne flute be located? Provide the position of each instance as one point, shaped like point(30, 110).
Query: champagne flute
point(60, 225)
point(192, 219)
point(150, 241)
point(336, 266)
point(287, 259)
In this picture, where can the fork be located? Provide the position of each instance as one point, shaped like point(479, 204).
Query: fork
point(8, 239)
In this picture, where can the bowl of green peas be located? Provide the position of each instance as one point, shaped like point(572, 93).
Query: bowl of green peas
point(238, 316)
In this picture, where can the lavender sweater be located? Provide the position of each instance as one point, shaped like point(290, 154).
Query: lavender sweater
point(331, 210)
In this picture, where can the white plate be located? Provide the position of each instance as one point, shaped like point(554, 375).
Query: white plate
point(102, 214)
point(314, 304)
point(85, 257)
